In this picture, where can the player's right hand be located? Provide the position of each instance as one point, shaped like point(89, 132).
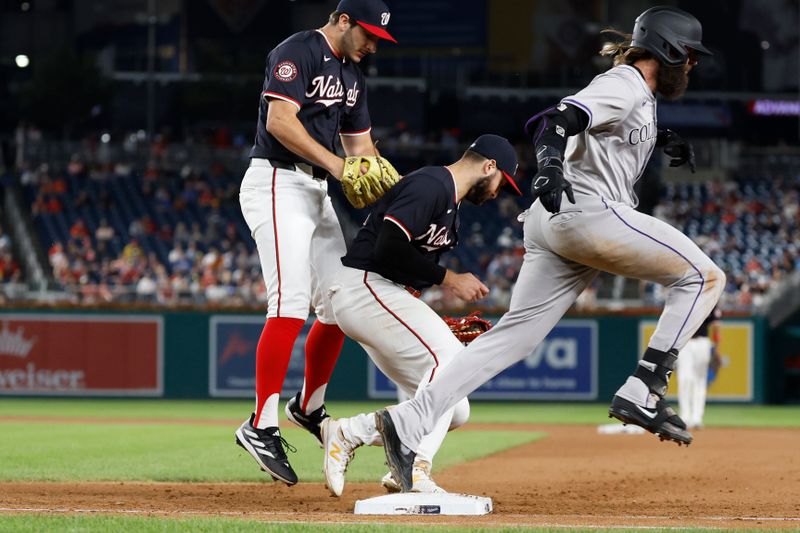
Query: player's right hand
point(679, 149)
point(548, 185)
point(465, 286)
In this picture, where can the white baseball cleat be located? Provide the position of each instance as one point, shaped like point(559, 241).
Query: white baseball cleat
point(421, 478)
point(388, 482)
point(338, 454)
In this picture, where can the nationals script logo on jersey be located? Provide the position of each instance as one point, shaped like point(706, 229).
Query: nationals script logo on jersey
point(436, 237)
point(331, 91)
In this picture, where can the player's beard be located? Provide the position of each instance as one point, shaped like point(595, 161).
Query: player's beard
point(671, 82)
point(480, 192)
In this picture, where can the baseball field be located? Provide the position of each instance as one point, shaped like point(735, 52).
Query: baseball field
point(142, 465)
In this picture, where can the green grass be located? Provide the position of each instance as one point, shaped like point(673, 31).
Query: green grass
point(159, 450)
point(25, 523)
point(172, 452)
point(487, 412)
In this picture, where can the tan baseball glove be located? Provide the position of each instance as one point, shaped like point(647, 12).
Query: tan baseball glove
point(366, 179)
point(468, 328)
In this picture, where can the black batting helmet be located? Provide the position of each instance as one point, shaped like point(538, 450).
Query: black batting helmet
point(668, 33)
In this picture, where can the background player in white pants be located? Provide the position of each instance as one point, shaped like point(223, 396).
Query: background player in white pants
point(597, 141)
point(395, 252)
point(313, 93)
point(693, 370)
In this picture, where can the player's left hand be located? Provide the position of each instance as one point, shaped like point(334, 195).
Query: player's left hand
point(468, 328)
point(676, 147)
point(366, 179)
point(548, 186)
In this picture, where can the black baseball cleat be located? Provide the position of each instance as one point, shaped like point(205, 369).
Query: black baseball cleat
point(399, 458)
point(311, 422)
point(267, 448)
point(661, 420)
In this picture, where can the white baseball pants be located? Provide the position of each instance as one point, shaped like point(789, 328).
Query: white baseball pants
point(297, 233)
point(405, 339)
point(693, 379)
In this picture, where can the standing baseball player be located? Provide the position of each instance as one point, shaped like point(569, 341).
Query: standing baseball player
point(313, 93)
point(592, 147)
point(393, 257)
point(693, 370)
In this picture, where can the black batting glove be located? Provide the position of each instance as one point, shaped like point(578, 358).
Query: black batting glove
point(548, 185)
point(676, 147)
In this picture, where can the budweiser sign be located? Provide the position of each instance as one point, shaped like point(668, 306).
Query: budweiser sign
point(14, 343)
point(115, 355)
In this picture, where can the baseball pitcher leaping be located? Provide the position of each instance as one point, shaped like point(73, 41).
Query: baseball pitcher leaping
point(313, 92)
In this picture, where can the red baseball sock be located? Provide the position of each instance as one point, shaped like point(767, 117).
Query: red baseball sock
point(323, 344)
point(272, 361)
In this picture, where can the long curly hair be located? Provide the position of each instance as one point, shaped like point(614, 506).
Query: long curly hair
point(621, 51)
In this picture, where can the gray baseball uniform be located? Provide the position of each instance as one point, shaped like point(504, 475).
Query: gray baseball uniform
point(565, 251)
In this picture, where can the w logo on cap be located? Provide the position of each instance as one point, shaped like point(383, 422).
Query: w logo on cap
point(385, 18)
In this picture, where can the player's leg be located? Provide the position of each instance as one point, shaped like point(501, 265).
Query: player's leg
point(277, 208)
point(701, 380)
point(546, 287)
point(409, 343)
point(618, 239)
point(686, 381)
point(614, 237)
point(325, 340)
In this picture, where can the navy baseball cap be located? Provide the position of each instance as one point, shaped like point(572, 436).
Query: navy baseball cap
point(498, 148)
point(372, 15)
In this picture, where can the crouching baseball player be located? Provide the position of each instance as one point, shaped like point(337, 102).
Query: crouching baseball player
point(375, 296)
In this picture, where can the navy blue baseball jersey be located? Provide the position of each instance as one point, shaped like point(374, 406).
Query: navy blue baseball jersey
point(423, 204)
point(702, 331)
point(328, 90)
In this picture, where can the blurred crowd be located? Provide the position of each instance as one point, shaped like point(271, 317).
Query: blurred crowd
point(9, 267)
point(165, 231)
point(749, 226)
point(160, 235)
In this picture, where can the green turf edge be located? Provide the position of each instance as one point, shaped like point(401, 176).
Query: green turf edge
point(728, 415)
point(100, 523)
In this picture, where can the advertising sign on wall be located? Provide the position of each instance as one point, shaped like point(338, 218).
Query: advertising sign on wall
point(563, 366)
point(232, 357)
point(81, 355)
point(734, 380)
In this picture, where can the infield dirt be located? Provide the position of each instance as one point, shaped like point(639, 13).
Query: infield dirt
point(728, 478)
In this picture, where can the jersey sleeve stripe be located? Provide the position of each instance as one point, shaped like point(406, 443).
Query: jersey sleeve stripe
point(399, 225)
point(281, 97)
point(582, 106)
point(355, 133)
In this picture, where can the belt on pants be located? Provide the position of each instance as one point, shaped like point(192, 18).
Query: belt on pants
point(319, 174)
point(413, 292)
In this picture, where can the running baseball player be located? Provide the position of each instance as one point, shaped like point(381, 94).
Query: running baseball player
point(591, 148)
point(693, 370)
point(393, 257)
point(313, 93)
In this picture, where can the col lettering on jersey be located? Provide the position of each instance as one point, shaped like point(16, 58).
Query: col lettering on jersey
point(644, 133)
point(329, 92)
point(423, 204)
point(609, 157)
